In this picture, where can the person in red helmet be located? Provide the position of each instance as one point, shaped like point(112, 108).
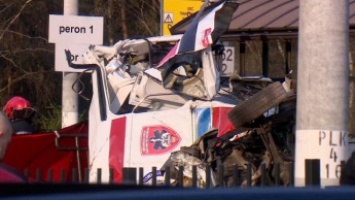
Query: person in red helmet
point(20, 113)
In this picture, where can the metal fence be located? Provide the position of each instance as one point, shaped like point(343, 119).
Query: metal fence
point(136, 176)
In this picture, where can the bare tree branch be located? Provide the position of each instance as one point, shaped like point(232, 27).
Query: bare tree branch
point(143, 20)
point(14, 19)
point(3, 53)
point(24, 35)
point(141, 9)
point(22, 77)
point(124, 19)
point(14, 64)
point(8, 6)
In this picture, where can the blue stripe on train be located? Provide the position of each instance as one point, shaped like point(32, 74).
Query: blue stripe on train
point(203, 116)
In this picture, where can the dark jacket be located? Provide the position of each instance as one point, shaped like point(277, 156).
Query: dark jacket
point(22, 126)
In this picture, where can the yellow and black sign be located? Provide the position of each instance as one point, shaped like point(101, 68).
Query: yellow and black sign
point(176, 10)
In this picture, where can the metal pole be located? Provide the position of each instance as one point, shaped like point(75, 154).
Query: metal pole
point(322, 88)
point(69, 97)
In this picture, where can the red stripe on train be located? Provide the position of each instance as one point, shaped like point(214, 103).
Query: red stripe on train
point(117, 147)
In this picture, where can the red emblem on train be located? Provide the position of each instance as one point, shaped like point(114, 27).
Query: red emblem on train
point(158, 140)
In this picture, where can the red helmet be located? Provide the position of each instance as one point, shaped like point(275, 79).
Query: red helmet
point(18, 108)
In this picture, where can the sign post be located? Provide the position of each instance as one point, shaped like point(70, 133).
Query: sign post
point(75, 33)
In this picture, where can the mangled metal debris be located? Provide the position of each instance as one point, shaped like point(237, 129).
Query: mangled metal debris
point(267, 142)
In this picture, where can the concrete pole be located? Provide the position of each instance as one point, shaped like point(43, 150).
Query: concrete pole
point(69, 97)
point(322, 88)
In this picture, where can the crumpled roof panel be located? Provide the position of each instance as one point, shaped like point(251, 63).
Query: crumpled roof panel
point(263, 15)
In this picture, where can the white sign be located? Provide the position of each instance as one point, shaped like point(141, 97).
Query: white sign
point(76, 50)
point(75, 29)
point(331, 147)
point(228, 59)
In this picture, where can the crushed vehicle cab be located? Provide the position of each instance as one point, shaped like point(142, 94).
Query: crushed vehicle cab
point(157, 98)
point(135, 122)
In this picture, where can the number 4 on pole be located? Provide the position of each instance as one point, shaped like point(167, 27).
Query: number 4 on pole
point(333, 155)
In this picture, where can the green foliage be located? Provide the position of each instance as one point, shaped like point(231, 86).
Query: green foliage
point(50, 118)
